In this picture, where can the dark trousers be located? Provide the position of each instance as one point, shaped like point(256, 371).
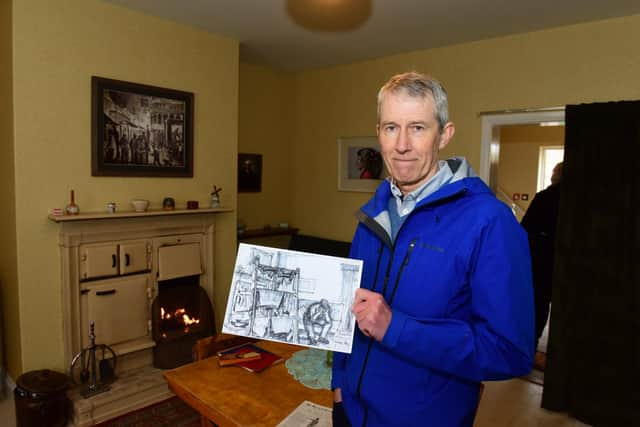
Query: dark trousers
point(339, 416)
point(542, 303)
point(542, 269)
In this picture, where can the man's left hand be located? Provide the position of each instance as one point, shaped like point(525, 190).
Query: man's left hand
point(372, 312)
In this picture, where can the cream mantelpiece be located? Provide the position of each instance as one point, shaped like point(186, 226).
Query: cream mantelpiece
point(86, 228)
point(95, 229)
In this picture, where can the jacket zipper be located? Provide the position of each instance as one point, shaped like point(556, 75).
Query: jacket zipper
point(375, 278)
point(405, 261)
point(370, 344)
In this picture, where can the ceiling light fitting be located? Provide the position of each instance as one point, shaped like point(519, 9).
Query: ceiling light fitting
point(329, 15)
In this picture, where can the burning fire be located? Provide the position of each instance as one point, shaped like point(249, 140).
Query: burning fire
point(180, 315)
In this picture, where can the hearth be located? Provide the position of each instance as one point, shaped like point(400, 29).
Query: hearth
point(181, 315)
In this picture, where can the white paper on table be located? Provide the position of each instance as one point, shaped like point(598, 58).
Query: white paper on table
point(275, 292)
point(308, 414)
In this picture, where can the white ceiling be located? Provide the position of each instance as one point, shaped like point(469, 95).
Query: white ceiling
point(267, 35)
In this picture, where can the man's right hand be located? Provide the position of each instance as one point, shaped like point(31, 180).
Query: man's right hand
point(337, 395)
point(372, 312)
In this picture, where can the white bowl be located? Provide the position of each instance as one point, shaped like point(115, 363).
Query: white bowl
point(139, 205)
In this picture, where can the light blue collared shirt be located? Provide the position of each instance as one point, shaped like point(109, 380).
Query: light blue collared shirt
point(400, 205)
point(406, 204)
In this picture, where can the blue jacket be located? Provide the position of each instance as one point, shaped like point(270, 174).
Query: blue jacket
point(458, 280)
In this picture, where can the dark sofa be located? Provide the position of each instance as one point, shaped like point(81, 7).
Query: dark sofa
point(319, 245)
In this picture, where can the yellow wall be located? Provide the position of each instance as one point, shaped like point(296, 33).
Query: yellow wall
point(582, 63)
point(265, 122)
point(58, 47)
point(545, 135)
point(519, 156)
point(9, 320)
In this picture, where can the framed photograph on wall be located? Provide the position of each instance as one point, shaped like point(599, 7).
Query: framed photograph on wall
point(249, 173)
point(360, 164)
point(140, 130)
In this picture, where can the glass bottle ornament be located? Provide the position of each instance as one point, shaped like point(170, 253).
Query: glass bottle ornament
point(72, 208)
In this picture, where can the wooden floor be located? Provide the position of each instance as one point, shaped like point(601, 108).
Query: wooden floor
point(517, 403)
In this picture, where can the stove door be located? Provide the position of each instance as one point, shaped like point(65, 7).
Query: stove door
point(134, 256)
point(179, 260)
point(99, 260)
point(119, 307)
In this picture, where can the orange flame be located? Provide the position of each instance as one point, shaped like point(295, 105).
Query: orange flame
point(180, 315)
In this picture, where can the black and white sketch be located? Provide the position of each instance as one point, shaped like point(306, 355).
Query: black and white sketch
point(293, 297)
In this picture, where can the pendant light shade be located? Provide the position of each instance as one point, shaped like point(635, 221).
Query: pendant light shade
point(329, 15)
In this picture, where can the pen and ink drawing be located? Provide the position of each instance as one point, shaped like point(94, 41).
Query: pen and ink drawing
point(293, 297)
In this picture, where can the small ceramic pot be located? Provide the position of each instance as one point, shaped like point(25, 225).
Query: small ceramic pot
point(168, 204)
point(140, 205)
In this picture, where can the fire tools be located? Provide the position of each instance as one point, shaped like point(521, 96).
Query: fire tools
point(94, 366)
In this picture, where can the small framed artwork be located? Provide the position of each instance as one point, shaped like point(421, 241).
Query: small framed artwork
point(360, 165)
point(140, 130)
point(249, 173)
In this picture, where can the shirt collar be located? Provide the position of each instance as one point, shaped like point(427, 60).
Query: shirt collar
point(442, 177)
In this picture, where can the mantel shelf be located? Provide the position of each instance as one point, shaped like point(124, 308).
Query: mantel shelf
point(133, 214)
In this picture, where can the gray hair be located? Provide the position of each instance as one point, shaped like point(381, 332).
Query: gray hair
point(418, 85)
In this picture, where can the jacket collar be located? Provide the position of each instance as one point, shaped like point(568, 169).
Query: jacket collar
point(374, 214)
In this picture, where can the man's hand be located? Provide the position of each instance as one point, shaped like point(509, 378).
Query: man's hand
point(372, 312)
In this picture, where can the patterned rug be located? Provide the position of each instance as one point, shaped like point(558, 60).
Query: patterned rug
point(172, 412)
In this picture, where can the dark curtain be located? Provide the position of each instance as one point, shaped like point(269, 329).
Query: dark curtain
point(593, 366)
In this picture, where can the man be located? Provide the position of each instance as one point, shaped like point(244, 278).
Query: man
point(540, 223)
point(317, 322)
point(446, 297)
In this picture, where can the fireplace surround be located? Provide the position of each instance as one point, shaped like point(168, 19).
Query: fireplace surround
point(91, 243)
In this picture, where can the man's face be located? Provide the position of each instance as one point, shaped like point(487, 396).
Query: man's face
point(410, 138)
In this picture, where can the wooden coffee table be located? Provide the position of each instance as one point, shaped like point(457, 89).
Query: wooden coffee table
point(232, 396)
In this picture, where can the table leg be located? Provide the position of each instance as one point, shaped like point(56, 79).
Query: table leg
point(205, 422)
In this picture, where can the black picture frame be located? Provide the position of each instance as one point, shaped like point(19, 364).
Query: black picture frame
point(140, 130)
point(249, 173)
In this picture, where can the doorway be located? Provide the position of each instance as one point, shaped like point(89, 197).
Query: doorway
point(513, 152)
point(490, 139)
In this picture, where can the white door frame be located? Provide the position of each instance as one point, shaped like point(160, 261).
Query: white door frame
point(490, 143)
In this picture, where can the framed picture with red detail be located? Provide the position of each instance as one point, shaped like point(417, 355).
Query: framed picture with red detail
point(360, 165)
